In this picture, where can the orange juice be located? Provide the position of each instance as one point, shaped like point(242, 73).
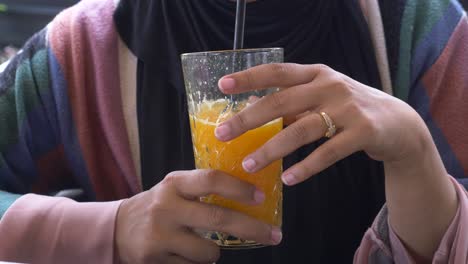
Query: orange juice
point(210, 153)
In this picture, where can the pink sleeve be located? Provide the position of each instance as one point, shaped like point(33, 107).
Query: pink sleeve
point(41, 229)
point(374, 246)
point(381, 244)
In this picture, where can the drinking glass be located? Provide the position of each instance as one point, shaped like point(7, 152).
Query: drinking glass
point(208, 107)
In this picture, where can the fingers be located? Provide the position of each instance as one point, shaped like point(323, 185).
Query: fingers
point(268, 76)
point(335, 149)
point(196, 215)
point(292, 101)
point(308, 129)
point(211, 217)
point(289, 119)
point(198, 183)
point(191, 246)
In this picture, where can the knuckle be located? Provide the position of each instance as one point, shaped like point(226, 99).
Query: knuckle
point(354, 109)
point(265, 153)
point(330, 155)
point(299, 133)
point(211, 175)
point(323, 69)
point(217, 217)
point(170, 179)
point(280, 70)
point(277, 102)
point(341, 86)
point(241, 121)
point(208, 179)
point(160, 204)
point(304, 170)
point(160, 209)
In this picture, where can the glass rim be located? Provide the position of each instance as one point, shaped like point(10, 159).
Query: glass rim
point(220, 52)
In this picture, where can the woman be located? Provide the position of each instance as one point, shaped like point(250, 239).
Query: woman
point(96, 101)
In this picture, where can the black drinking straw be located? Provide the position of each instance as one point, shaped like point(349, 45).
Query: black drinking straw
point(238, 44)
point(240, 24)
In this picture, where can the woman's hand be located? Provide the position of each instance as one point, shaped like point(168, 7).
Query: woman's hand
point(420, 197)
point(366, 119)
point(158, 226)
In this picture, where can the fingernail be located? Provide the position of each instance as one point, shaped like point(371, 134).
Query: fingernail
point(249, 165)
point(276, 235)
point(259, 196)
point(289, 179)
point(222, 132)
point(227, 84)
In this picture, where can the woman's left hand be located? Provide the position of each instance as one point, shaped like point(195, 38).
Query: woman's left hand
point(386, 128)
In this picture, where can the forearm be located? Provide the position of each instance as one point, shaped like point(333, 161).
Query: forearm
point(44, 229)
point(421, 199)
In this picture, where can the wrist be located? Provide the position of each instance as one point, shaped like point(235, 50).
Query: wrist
point(420, 197)
point(418, 156)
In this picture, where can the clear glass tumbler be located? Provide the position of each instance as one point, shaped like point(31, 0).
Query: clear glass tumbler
point(207, 108)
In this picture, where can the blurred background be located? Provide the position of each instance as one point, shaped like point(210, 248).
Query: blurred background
point(20, 19)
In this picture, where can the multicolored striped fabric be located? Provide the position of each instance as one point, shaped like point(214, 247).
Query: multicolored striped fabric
point(427, 51)
point(62, 121)
point(41, 92)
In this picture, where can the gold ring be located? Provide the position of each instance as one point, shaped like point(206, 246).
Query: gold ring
point(331, 128)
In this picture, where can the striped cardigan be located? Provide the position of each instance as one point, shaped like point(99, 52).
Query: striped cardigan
point(68, 119)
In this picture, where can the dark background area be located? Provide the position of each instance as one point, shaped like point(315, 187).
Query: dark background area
point(19, 19)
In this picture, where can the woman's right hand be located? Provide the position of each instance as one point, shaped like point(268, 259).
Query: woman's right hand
point(157, 226)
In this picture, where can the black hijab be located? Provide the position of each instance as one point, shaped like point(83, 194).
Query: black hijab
point(325, 217)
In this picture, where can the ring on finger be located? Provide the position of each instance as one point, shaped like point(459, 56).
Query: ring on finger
point(331, 128)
